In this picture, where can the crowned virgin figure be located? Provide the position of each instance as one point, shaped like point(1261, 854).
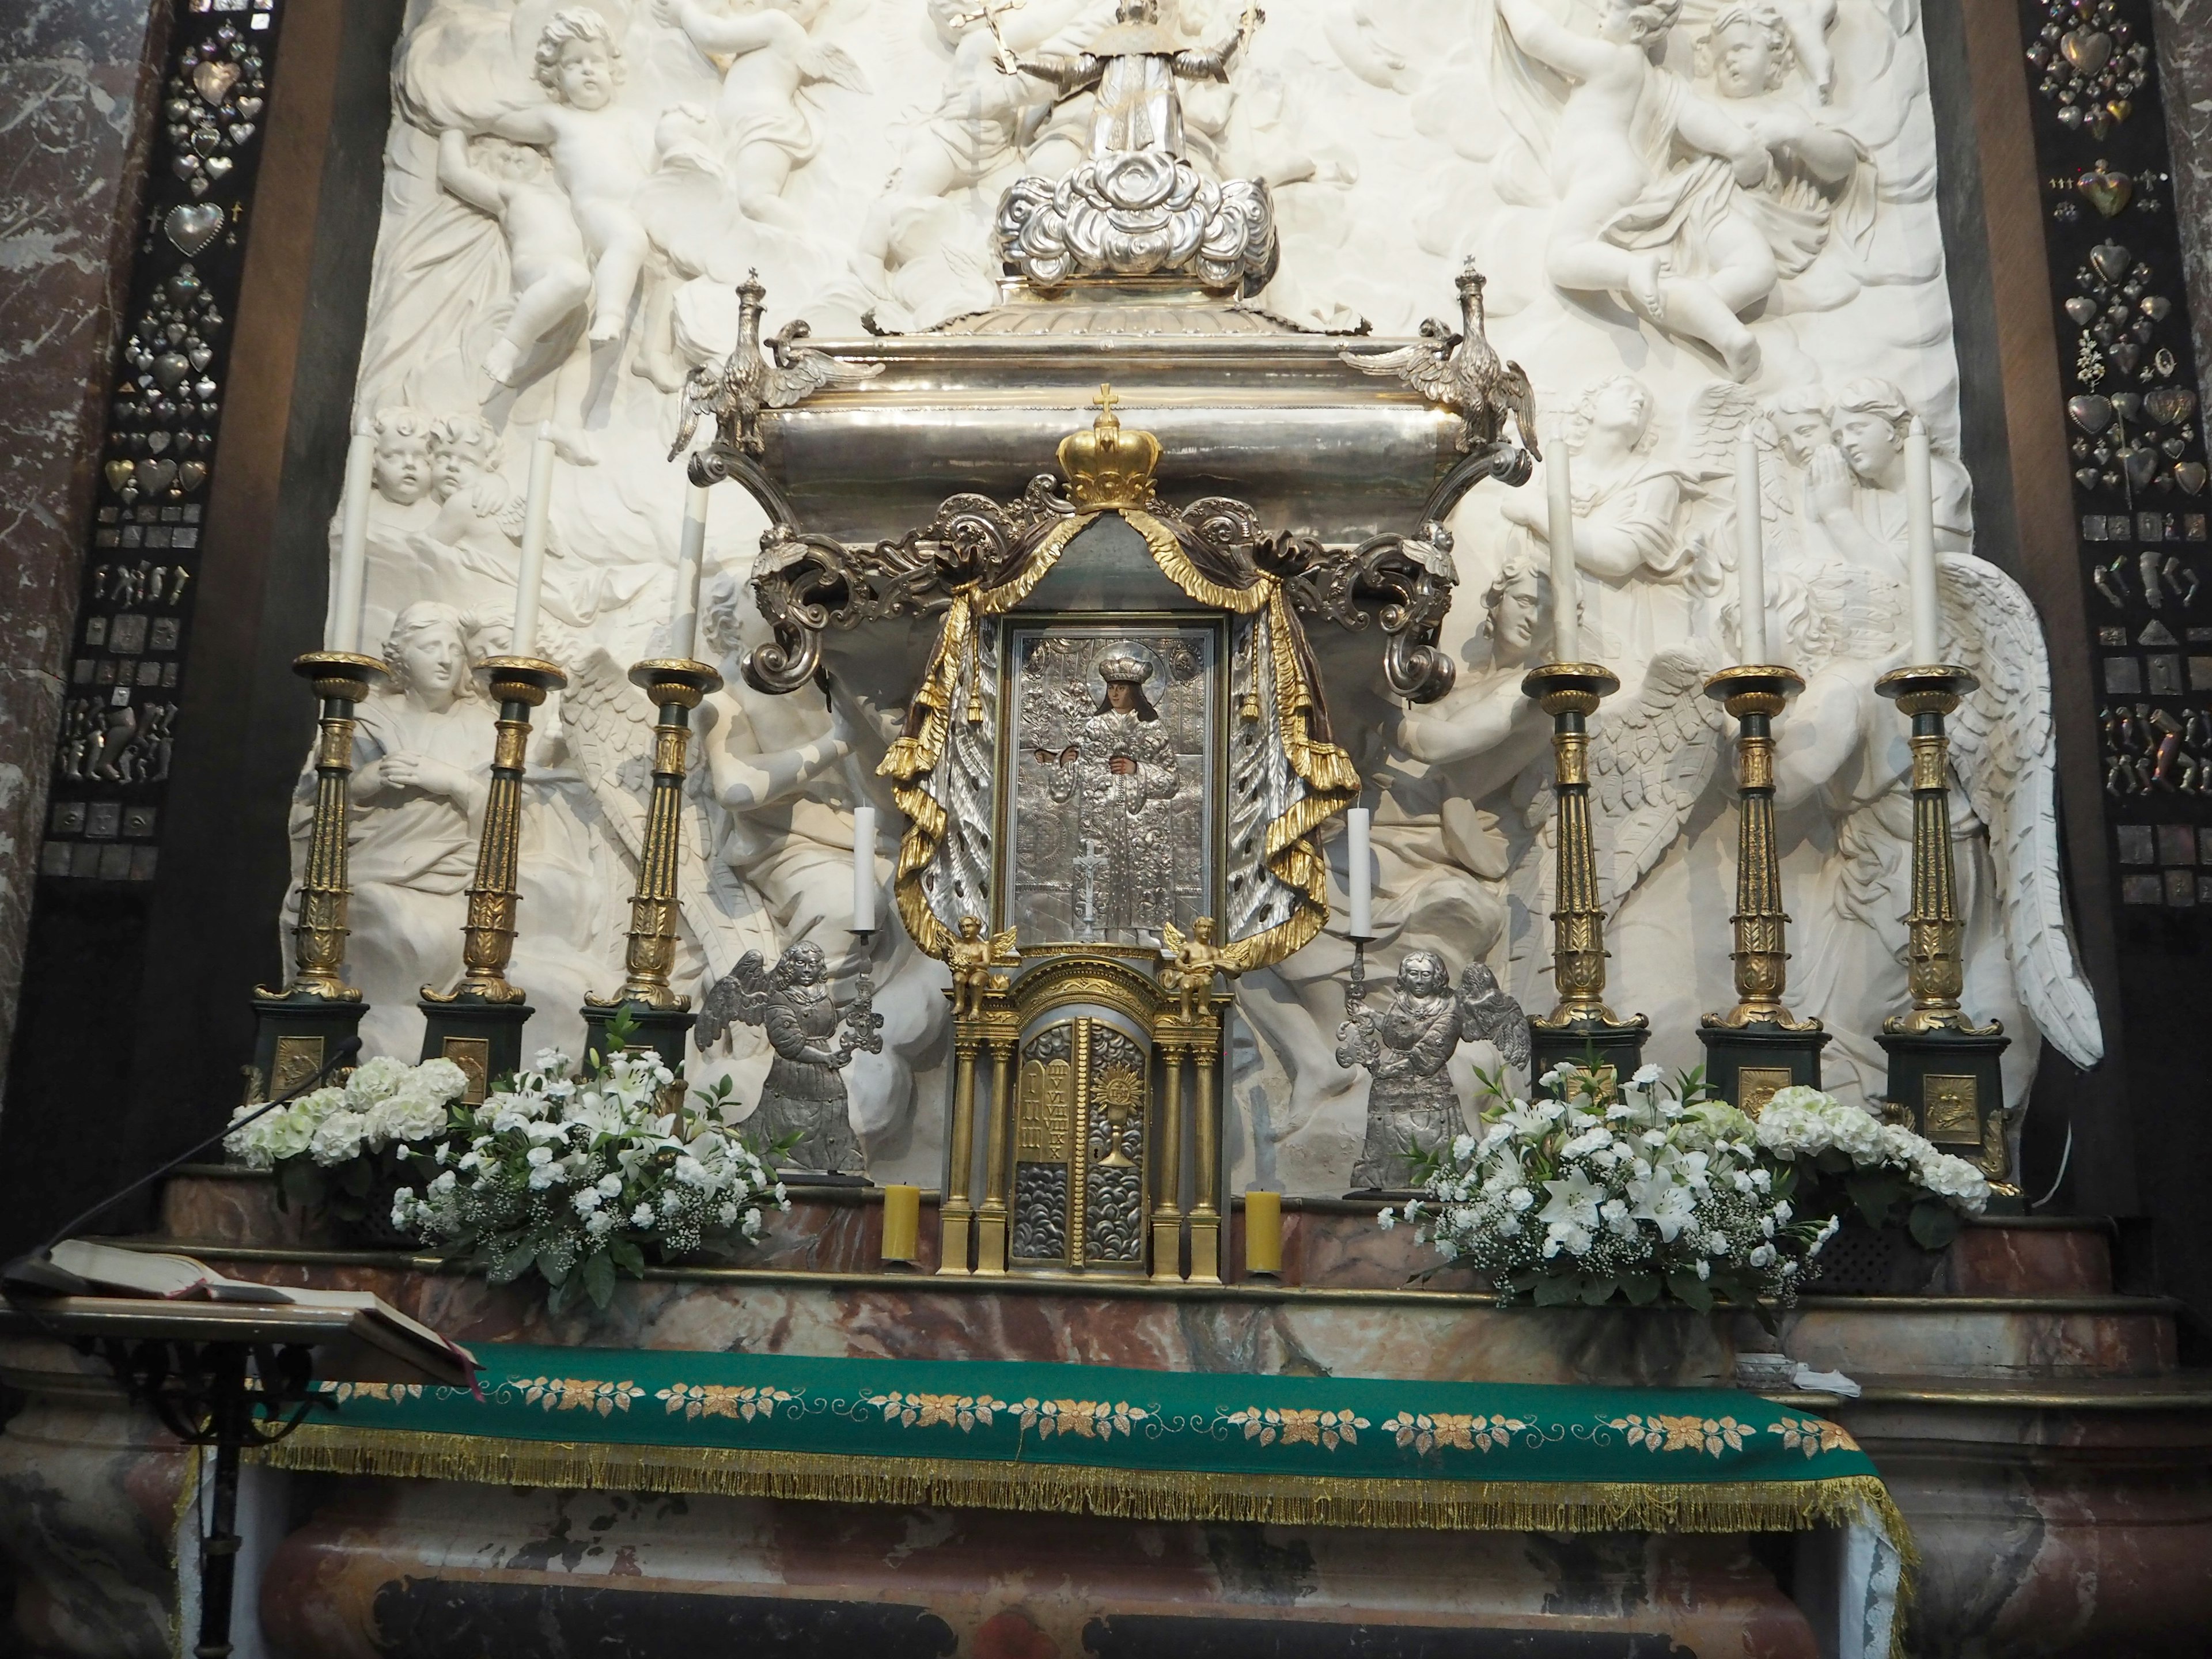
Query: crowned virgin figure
point(1118, 775)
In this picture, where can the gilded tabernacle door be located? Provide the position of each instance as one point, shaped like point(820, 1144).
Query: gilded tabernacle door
point(1110, 759)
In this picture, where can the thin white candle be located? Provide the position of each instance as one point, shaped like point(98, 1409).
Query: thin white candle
point(1358, 876)
point(1920, 547)
point(1566, 584)
point(691, 553)
point(351, 580)
point(530, 574)
point(864, 869)
point(1750, 555)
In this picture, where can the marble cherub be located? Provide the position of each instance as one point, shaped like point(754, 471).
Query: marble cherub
point(545, 252)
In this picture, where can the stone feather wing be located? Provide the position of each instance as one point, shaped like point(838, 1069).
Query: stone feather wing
point(738, 998)
point(609, 725)
point(1649, 768)
point(1487, 1014)
point(2004, 750)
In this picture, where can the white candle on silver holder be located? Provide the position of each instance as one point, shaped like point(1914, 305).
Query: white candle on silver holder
point(1566, 581)
point(1750, 555)
point(530, 573)
point(690, 555)
point(351, 580)
point(1358, 878)
point(1920, 547)
point(864, 869)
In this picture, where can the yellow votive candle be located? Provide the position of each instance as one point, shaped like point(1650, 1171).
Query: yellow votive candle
point(1263, 1232)
point(902, 1223)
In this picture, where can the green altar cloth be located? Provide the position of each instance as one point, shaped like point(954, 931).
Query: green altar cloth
point(1322, 1451)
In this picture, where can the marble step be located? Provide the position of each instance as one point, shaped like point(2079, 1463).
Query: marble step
point(2002, 1338)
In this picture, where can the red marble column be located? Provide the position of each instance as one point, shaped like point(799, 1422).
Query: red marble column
point(78, 79)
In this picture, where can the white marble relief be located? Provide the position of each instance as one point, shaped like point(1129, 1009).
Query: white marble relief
point(1692, 216)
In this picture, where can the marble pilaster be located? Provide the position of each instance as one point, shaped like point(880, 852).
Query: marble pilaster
point(2183, 31)
point(76, 76)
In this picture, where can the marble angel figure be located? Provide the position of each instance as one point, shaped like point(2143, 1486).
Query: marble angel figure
point(546, 255)
point(1628, 502)
point(1135, 66)
point(1440, 858)
point(771, 59)
point(1672, 241)
point(912, 246)
point(1842, 749)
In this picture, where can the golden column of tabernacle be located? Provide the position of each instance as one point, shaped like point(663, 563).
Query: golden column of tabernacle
point(1943, 1069)
point(1001, 1029)
point(661, 1014)
point(1167, 1181)
point(957, 1215)
point(1580, 1028)
point(316, 1006)
point(478, 1023)
point(1759, 1047)
point(1205, 1209)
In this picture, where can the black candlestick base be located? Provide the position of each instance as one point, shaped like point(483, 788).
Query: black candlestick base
point(1948, 1085)
point(1748, 1064)
point(663, 1031)
point(293, 1033)
point(484, 1039)
point(1617, 1043)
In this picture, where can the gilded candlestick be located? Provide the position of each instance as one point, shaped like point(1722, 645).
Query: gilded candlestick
point(478, 1023)
point(316, 1006)
point(1581, 1026)
point(1759, 1047)
point(661, 1014)
point(1943, 1069)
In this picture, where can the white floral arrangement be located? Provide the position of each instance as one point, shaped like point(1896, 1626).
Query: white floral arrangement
point(1849, 1159)
point(1606, 1192)
point(340, 1148)
point(580, 1178)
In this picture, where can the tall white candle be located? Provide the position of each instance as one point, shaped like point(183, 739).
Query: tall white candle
point(530, 574)
point(1358, 876)
point(691, 553)
point(1566, 583)
point(348, 582)
point(864, 869)
point(1750, 555)
point(1920, 547)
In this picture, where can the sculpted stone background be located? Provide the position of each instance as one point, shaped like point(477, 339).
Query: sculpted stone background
point(1691, 218)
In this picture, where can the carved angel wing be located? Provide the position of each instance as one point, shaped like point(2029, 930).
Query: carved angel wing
point(1171, 940)
point(1426, 367)
point(2004, 750)
point(1002, 946)
point(834, 64)
point(1717, 416)
point(798, 372)
point(1649, 768)
point(739, 997)
point(1488, 1015)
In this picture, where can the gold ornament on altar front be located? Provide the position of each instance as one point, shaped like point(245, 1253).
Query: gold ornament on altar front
point(1108, 467)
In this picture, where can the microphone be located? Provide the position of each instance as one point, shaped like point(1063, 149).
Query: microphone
point(35, 1272)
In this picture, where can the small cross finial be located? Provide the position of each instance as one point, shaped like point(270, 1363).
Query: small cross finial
point(1105, 400)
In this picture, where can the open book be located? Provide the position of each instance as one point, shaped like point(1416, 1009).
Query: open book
point(364, 1337)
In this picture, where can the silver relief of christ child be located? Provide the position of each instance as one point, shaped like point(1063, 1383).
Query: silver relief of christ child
point(1110, 758)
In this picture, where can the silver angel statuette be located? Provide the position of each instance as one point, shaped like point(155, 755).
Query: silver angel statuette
point(803, 1101)
point(1413, 1110)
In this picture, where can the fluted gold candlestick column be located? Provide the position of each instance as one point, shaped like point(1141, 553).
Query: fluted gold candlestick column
point(1002, 1031)
point(478, 1023)
point(1167, 1163)
point(660, 1014)
point(1943, 1069)
point(1206, 1261)
point(296, 1025)
point(1759, 1047)
point(1580, 1028)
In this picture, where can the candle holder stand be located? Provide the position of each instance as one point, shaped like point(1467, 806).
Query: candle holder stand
point(296, 1026)
point(1759, 1047)
point(1943, 1069)
point(1581, 1029)
point(478, 1023)
point(661, 1017)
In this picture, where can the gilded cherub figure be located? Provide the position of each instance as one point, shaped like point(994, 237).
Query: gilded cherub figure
point(1192, 963)
point(970, 957)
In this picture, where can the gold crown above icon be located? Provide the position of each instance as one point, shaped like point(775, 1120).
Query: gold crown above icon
point(1108, 467)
